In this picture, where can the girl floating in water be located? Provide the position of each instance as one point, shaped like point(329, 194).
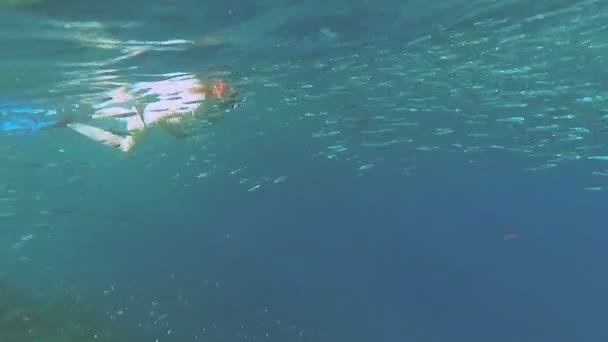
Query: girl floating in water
point(170, 104)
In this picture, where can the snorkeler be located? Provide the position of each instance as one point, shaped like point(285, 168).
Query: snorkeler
point(171, 104)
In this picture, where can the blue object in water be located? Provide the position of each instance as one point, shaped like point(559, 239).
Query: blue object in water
point(23, 125)
point(25, 118)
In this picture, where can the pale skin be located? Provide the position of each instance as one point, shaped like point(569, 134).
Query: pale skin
point(177, 101)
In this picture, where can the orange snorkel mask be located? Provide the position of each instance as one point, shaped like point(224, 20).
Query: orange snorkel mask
point(219, 89)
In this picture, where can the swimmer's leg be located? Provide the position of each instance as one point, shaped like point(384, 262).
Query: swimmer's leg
point(124, 143)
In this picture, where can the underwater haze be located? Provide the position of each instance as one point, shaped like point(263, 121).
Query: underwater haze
point(425, 171)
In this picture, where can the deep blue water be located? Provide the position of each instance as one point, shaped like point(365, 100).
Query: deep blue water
point(334, 256)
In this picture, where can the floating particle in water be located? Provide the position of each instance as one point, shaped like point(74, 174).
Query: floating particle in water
point(366, 167)
point(280, 179)
point(586, 99)
point(27, 237)
point(513, 119)
point(17, 245)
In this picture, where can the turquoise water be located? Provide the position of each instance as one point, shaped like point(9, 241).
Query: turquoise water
point(393, 171)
